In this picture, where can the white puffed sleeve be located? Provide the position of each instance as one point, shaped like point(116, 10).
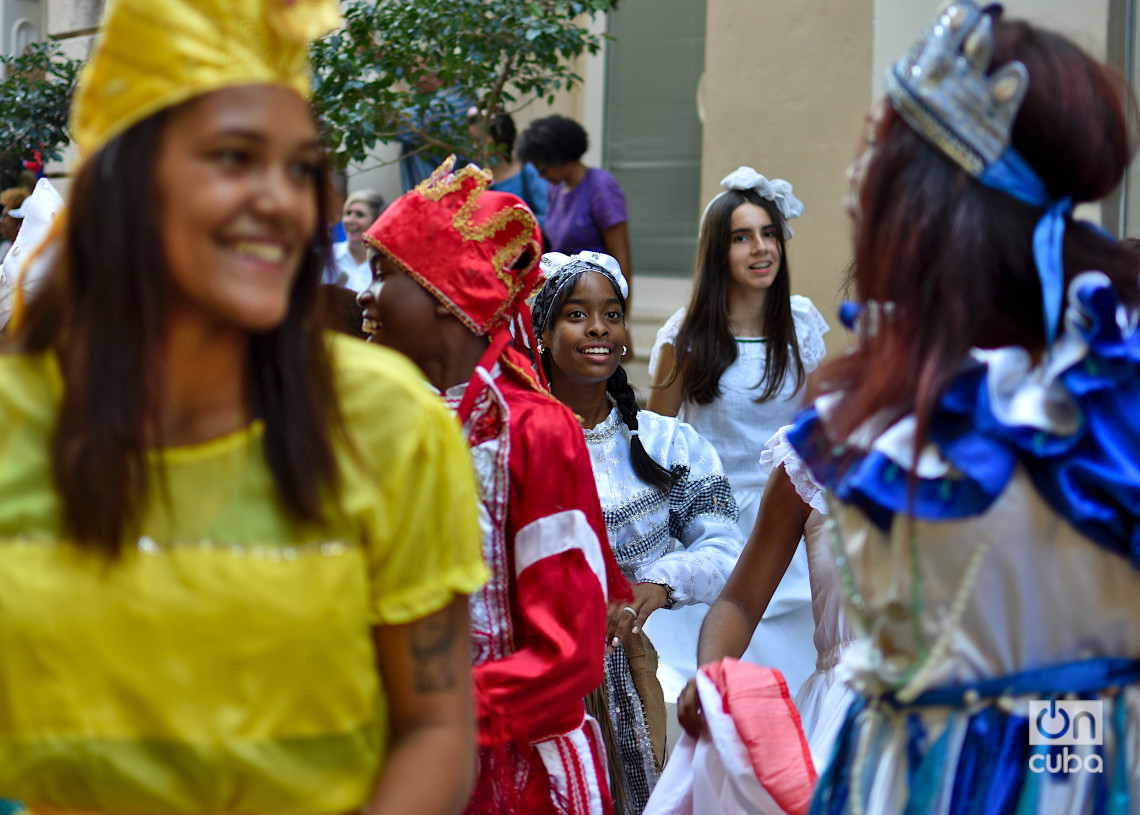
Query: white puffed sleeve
point(702, 517)
point(810, 328)
point(666, 335)
point(779, 451)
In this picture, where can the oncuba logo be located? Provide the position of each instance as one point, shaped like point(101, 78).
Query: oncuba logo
point(1065, 724)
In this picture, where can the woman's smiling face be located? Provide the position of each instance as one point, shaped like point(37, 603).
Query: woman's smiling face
point(356, 218)
point(236, 178)
point(585, 338)
point(754, 251)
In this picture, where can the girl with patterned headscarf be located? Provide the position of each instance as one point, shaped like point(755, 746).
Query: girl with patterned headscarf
point(454, 265)
point(669, 511)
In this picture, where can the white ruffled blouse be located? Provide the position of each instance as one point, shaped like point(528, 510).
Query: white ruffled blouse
point(686, 538)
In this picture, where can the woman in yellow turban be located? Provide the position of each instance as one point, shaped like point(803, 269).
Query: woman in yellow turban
point(226, 582)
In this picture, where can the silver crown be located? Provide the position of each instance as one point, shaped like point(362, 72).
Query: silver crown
point(941, 88)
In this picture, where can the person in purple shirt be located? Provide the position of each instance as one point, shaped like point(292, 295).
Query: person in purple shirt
point(585, 207)
point(507, 172)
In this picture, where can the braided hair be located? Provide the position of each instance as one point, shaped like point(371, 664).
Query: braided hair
point(549, 301)
point(646, 467)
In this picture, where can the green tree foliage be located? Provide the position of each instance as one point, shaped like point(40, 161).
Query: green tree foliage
point(35, 95)
point(376, 78)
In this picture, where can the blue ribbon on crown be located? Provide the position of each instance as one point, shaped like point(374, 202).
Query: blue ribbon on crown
point(1012, 175)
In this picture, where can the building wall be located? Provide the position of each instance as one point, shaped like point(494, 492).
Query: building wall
point(73, 23)
point(898, 23)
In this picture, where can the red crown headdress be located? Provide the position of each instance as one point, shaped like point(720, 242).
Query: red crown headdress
point(461, 243)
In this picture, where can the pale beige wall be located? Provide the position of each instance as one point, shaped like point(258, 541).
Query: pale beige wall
point(69, 18)
point(73, 23)
point(785, 90)
point(898, 23)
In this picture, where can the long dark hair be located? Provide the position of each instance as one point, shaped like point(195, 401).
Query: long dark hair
point(705, 345)
point(617, 386)
point(954, 258)
point(103, 311)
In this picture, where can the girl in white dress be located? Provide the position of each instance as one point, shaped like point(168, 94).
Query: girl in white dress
point(668, 506)
point(734, 364)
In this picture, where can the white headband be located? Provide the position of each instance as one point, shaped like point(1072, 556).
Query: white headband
point(559, 269)
point(778, 191)
point(552, 262)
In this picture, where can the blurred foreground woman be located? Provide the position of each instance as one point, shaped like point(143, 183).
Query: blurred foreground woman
point(227, 586)
point(981, 439)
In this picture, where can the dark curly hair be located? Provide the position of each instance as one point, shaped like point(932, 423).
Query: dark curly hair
point(552, 141)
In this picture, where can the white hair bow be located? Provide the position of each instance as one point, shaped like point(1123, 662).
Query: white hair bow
point(552, 262)
point(778, 191)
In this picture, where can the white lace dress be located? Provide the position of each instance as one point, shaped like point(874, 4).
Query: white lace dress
point(823, 699)
point(738, 427)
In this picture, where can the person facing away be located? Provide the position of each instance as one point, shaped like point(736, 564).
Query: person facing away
point(669, 511)
point(337, 194)
point(735, 364)
point(454, 264)
point(510, 175)
point(980, 439)
point(443, 107)
point(228, 584)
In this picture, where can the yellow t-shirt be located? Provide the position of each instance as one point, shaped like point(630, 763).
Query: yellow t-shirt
point(225, 662)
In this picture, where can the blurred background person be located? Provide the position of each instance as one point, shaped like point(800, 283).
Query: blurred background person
point(25, 265)
point(350, 256)
point(340, 311)
point(338, 194)
point(586, 209)
point(11, 200)
point(509, 173)
point(446, 107)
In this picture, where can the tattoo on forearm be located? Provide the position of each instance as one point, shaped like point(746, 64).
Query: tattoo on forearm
point(431, 642)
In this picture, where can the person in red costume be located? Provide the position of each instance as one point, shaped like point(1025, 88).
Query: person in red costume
point(453, 267)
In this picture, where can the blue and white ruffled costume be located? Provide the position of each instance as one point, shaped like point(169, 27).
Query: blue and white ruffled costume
point(1012, 578)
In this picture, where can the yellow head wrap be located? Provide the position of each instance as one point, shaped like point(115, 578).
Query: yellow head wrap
point(157, 53)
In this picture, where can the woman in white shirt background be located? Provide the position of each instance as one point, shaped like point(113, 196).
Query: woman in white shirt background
point(350, 256)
